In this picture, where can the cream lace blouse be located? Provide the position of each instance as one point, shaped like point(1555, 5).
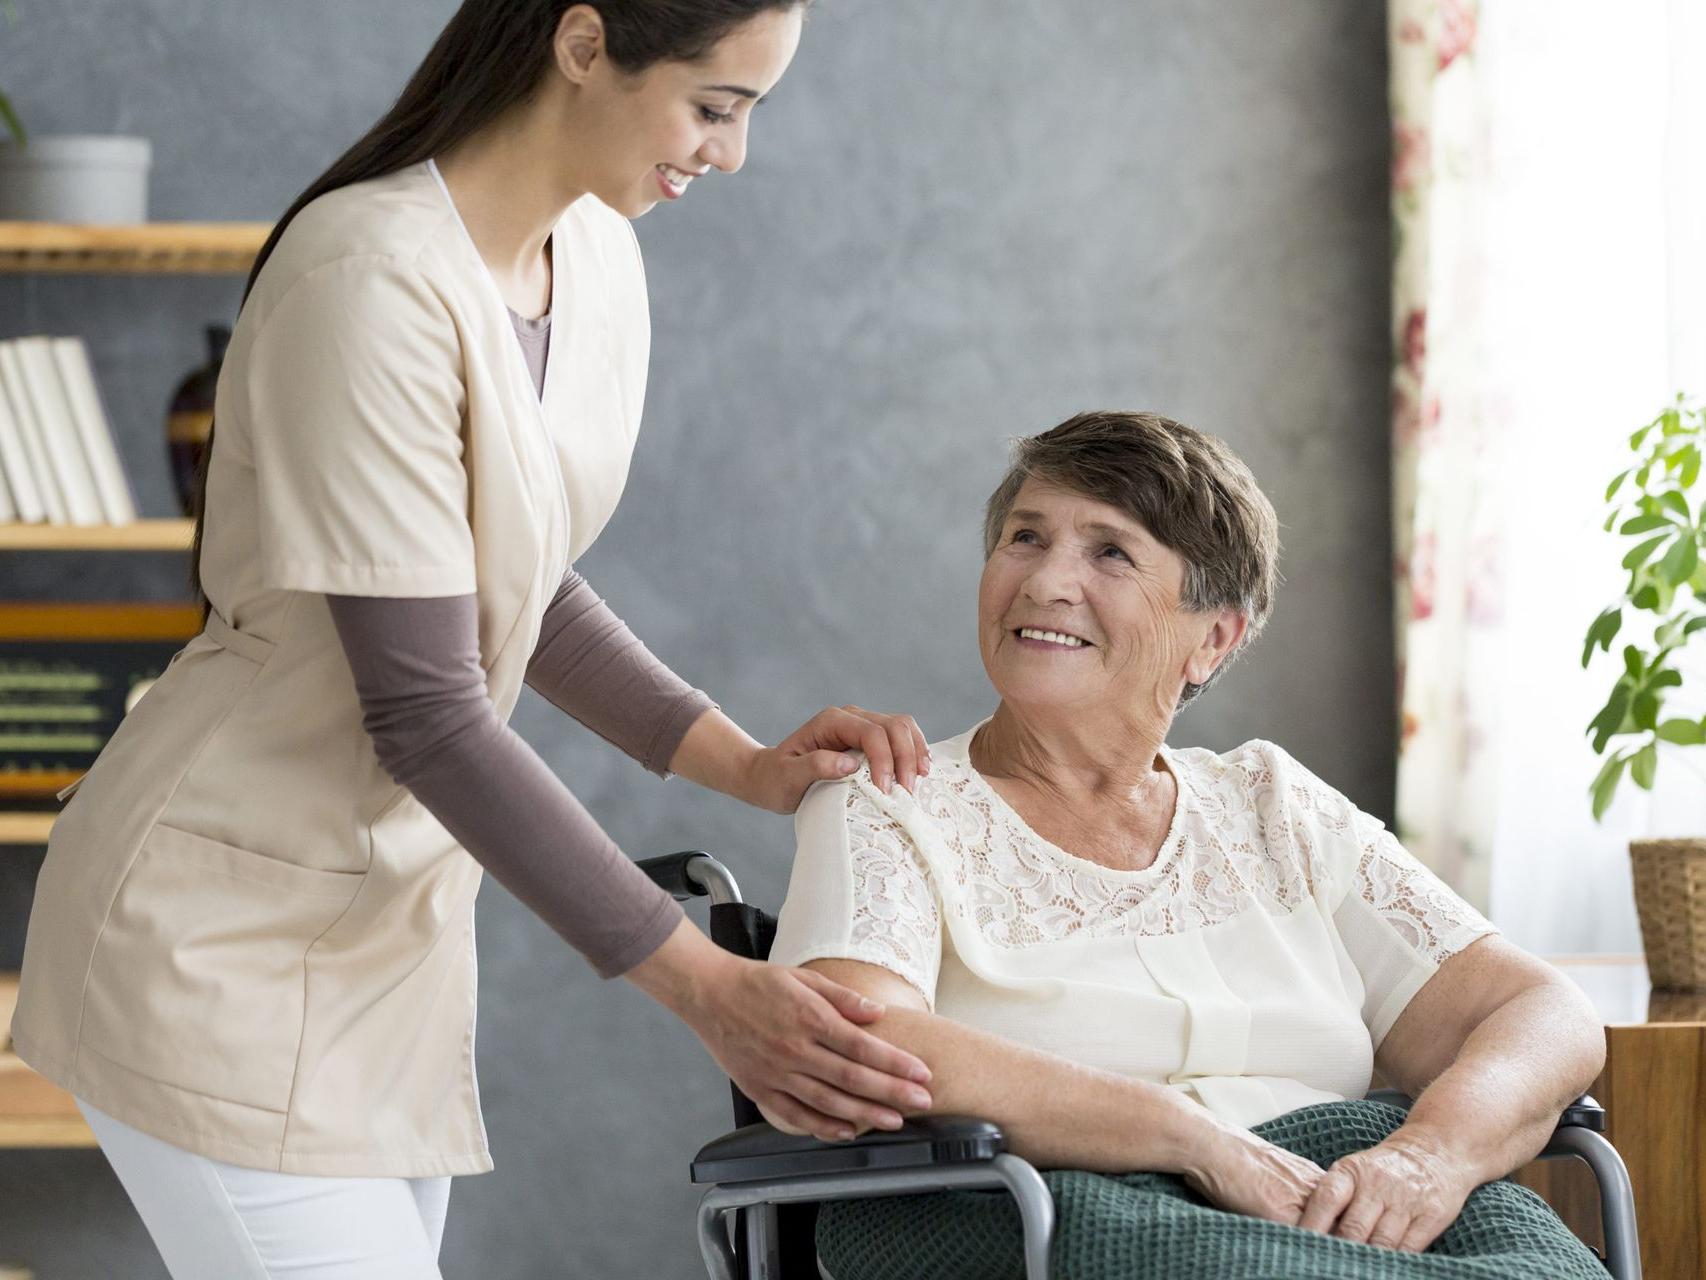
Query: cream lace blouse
point(1257, 963)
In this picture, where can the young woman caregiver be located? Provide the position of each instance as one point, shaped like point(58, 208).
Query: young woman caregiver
point(251, 953)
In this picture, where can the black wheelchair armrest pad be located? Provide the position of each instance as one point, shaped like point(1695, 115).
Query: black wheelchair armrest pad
point(760, 1152)
point(669, 873)
point(1583, 1113)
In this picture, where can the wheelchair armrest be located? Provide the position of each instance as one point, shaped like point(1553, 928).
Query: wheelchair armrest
point(669, 873)
point(760, 1152)
point(1583, 1113)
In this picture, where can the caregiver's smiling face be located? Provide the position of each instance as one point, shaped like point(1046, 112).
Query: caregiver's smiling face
point(1107, 591)
point(655, 131)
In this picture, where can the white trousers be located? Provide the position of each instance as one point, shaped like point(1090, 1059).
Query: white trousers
point(217, 1221)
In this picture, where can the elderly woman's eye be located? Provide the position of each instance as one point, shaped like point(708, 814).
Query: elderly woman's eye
point(1019, 534)
point(1117, 551)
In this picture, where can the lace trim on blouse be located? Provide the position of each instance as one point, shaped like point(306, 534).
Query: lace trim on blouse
point(1247, 836)
point(895, 920)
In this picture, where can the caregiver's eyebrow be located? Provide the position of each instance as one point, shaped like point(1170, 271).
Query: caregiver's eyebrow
point(738, 90)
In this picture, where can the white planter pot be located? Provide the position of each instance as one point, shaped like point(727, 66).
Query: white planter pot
point(84, 178)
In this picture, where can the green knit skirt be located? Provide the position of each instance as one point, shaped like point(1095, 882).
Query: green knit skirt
point(1151, 1226)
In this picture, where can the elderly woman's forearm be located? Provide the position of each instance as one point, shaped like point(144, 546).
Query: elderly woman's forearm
point(1496, 1105)
point(1055, 1113)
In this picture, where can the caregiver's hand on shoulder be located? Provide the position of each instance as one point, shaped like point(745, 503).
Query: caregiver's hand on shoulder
point(1242, 1173)
point(778, 776)
point(789, 1039)
point(1399, 1194)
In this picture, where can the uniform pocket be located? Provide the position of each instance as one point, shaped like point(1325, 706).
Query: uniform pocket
point(197, 979)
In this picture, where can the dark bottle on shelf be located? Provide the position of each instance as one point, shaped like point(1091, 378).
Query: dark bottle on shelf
point(191, 415)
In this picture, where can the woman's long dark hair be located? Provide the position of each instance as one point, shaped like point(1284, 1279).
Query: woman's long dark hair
point(491, 55)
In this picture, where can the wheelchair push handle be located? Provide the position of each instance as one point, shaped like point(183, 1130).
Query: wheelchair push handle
point(692, 873)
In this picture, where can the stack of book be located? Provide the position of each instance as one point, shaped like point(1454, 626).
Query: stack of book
point(57, 455)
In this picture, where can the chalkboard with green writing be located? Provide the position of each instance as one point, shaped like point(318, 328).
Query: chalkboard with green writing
point(68, 675)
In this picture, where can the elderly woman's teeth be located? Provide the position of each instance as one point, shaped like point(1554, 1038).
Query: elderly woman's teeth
point(1053, 637)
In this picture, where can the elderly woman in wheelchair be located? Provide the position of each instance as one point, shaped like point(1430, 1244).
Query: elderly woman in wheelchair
point(1168, 972)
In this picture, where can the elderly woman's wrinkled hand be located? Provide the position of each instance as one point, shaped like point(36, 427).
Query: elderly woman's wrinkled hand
point(894, 745)
point(1400, 1195)
point(1242, 1173)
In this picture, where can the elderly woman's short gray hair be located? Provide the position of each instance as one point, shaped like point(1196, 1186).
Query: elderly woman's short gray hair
point(1188, 489)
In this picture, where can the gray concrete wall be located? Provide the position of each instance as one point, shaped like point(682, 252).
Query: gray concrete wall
point(961, 221)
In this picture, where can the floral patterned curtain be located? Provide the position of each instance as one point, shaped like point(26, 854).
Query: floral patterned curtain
point(1445, 472)
point(1549, 296)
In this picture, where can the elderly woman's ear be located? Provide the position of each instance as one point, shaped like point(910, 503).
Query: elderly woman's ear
point(1222, 638)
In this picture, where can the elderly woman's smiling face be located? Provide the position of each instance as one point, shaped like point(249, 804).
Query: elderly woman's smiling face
point(1109, 592)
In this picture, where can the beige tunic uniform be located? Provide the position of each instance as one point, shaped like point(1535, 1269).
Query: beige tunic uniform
point(247, 939)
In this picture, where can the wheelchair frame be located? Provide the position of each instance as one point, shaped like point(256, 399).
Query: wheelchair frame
point(756, 1173)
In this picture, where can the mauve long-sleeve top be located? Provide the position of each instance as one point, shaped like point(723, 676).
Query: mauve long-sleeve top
point(417, 671)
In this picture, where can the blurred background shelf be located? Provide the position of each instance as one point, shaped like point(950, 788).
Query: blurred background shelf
point(33, 1113)
point(209, 248)
point(25, 828)
point(45, 1131)
point(140, 535)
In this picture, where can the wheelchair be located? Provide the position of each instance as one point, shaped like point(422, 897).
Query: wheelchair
point(766, 1185)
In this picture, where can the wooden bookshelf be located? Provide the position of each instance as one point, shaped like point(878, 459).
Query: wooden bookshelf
point(140, 535)
point(201, 248)
point(33, 1112)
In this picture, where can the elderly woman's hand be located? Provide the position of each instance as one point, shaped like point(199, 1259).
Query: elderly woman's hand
point(1400, 1194)
point(1242, 1173)
point(778, 776)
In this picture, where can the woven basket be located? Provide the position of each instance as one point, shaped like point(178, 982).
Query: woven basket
point(1670, 899)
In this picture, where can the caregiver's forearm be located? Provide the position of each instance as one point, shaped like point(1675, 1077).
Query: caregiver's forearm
point(590, 665)
point(422, 691)
point(1055, 1113)
point(717, 753)
point(1497, 1104)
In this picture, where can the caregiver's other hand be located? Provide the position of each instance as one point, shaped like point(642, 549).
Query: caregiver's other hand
point(1240, 1172)
point(778, 776)
point(788, 1038)
point(1399, 1194)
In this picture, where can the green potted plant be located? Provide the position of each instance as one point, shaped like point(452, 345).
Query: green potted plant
point(77, 178)
point(1652, 506)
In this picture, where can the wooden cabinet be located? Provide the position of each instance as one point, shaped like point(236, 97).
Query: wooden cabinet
point(1653, 1089)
